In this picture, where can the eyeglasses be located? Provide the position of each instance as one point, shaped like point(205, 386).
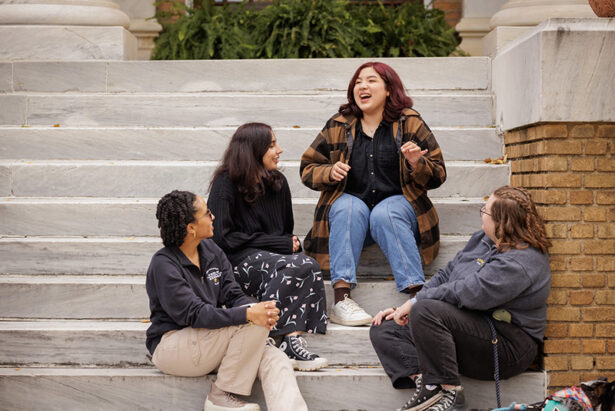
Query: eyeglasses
point(483, 210)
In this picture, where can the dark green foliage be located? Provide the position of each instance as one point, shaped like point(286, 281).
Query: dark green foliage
point(408, 30)
point(305, 29)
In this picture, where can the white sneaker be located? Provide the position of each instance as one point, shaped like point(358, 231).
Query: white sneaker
point(348, 312)
point(219, 400)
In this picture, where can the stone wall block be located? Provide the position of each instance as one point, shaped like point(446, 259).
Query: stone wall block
point(581, 297)
point(605, 197)
point(593, 280)
point(599, 314)
point(594, 214)
point(565, 180)
point(562, 379)
point(583, 164)
point(605, 263)
point(606, 131)
point(594, 346)
point(552, 131)
point(605, 363)
point(560, 213)
point(568, 314)
point(582, 263)
point(597, 147)
point(581, 197)
point(561, 280)
point(558, 263)
point(581, 363)
point(605, 297)
point(606, 330)
point(606, 231)
point(562, 147)
point(606, 164)
point(559, 363)
point(556, 230)
point(562, 346)
point(548, 197)
point(583, 131)
point(581, 330)
point(558, 297)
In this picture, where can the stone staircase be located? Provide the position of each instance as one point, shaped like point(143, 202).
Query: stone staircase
point(88, 148)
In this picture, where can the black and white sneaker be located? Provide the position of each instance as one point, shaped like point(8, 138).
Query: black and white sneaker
point(303, 360)
point(452, 399)
point(424, 396)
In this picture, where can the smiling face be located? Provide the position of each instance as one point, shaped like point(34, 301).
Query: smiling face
point(272, 155)
point(488, 223)
point(370, 91)
point(203, 224)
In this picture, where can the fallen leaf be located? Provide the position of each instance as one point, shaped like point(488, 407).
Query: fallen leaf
point(24, 126)
point(486, 198)
point(499, 160)
point(145, 321)
point(296, 126)
point(17, 369)
point(56, 125)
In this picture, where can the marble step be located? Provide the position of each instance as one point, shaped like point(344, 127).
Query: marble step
point(122, 344)
point(85, 216)
point(230, 75)
point(131, 255)
point(97, 178)
point(124, 297)
point(136, 388)
point(181, 143)
point(465, 109)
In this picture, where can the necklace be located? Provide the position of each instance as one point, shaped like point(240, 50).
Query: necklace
point(369, 131)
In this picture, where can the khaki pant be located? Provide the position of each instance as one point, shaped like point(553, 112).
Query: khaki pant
point(238, 353)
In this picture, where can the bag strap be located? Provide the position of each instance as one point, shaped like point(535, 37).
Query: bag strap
point(496, 362)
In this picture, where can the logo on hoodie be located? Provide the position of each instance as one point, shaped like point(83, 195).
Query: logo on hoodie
point(213, 274)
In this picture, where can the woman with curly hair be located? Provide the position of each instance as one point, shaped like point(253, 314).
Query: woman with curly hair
point(373, 163)
point(254, 227)
point(496, 286)
point(201, 319)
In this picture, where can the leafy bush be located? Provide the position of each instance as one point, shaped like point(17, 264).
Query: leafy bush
point(305, 29)
point(408, 30)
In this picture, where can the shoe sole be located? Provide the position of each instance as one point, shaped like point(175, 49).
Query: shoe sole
point(210, 406)
point(426, 404)
point(312, 365)
point(352, 323)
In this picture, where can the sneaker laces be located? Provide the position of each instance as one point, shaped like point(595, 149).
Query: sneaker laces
point(270, 341)
point(418, 381)
point(299, 346)
point(232, 400)
point(350, 305)
point(446, 401)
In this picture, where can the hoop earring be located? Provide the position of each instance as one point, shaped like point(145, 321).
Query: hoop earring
point(194, 234)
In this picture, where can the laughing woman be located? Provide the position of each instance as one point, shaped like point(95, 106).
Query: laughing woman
point(254, 226)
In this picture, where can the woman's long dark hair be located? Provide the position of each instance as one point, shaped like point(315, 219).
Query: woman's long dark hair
point(243, 161)
point(395, 103)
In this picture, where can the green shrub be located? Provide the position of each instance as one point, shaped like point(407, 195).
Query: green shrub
point(208, 32)
point(305, 29)
point(408, 30)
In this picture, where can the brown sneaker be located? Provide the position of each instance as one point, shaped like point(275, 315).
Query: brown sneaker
point(219, 400)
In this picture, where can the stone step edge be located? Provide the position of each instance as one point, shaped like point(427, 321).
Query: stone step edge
point(38, 127)
point(154, 200)
point(144, 239)
point(471, 92)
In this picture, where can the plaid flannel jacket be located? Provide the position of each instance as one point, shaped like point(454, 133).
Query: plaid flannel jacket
point(334, 143)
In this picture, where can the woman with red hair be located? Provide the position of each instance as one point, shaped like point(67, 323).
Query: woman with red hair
point(373, 163)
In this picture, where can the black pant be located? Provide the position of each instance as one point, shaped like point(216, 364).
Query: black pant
point(441, 341)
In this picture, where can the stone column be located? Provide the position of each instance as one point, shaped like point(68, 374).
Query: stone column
point(556, 106)
point(142, 24)
point(474, 24)
point(517, 16)
point(64, 30)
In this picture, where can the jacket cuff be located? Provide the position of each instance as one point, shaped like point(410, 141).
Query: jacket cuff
point(238, 315)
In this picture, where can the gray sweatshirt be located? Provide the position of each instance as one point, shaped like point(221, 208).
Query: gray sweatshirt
point(481, 278)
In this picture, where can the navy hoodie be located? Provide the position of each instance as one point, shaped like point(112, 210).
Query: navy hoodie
point(482, 278)
point(181, 295)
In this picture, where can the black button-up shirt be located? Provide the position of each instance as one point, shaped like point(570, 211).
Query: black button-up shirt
point(374, 166)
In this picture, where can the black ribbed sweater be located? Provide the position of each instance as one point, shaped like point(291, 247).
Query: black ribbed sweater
point(241, 227)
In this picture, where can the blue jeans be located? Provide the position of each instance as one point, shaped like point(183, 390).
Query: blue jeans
point(392, 224)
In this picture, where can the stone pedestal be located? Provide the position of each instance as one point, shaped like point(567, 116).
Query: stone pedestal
point(142, 24)
point(474, 24)
point(64, 30)
point(515, 15)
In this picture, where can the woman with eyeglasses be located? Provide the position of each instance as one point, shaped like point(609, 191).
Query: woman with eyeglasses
point(497, 286)
point(254, 226)
point(202, 321)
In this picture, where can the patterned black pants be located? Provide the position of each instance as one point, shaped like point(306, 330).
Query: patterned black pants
point(294, 281)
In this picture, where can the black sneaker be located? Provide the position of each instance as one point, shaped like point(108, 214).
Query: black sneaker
point(452, 399)
point(424, 396)
point(303, 360)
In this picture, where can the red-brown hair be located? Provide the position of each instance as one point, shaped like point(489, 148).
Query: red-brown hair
point(395, 102)
point(517, 223)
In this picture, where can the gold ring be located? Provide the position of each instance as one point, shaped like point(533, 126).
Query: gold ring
point(394, 308)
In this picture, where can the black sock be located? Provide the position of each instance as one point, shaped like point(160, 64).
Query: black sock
point(340, 293)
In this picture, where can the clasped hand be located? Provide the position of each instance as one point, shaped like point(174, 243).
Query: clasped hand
point(399, 314)
point(265, 314)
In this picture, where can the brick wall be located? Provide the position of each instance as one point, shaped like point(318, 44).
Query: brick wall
point(452, 10)
point(570, 170)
